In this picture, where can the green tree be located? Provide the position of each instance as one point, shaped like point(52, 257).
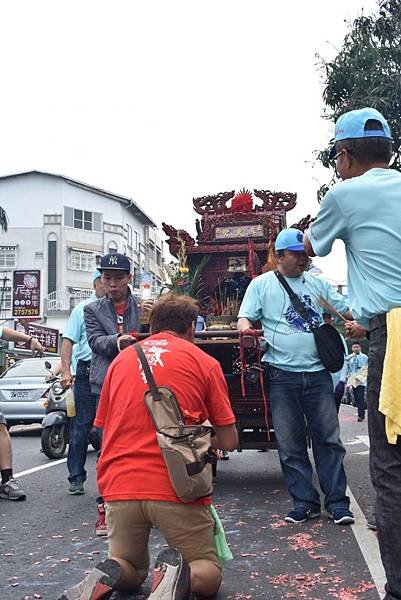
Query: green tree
point(367, 72)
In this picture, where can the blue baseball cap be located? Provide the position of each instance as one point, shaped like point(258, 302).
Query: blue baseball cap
point(115, 262)
point(96, 275)
point(351, 126)
point(290, 239)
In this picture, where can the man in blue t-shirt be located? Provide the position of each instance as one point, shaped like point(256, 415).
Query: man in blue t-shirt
point(75, 362)
point(357, 373)
point(364, 212)
point(299, 386)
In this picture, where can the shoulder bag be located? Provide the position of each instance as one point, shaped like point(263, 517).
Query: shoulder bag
point(185, 448)
point(328, 341)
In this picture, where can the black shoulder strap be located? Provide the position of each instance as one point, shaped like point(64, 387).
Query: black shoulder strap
point(295, 301)
point(148, 373)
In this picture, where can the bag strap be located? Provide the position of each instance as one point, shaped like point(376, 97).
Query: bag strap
point(148, 373)
point(295, 301)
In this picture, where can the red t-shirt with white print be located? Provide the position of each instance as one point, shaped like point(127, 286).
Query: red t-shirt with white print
point(131, 466)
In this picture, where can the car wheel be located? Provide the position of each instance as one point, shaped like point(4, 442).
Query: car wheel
point(54, 441)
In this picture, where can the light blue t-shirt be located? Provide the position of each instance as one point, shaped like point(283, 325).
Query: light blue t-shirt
point(291, 345)
point(1, 331)
point(343, 373)
point(76, 332)
point(356, 362)
point(365, 212)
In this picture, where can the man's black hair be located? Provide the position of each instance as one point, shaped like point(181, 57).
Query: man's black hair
point(369, 150)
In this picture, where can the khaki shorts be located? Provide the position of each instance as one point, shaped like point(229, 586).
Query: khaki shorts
point(189, 529)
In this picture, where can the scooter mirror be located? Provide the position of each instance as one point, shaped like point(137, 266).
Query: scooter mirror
point(48, 365)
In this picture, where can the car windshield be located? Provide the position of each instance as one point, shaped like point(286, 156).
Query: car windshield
point(30, 367)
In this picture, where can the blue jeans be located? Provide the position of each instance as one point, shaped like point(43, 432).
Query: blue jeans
point(295, 397)
point(81, 424)
point(385, 465)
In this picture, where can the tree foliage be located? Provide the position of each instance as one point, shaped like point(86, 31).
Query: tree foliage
point(367, 72)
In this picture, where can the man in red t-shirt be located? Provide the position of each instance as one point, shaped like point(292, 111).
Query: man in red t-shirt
point(132, 475)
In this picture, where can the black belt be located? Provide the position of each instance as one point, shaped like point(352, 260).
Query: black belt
point(86, 363)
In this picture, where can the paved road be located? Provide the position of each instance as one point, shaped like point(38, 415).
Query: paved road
point(48, 542)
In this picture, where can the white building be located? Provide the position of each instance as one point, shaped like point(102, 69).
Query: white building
point(63, 227)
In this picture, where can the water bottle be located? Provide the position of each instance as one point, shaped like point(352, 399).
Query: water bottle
point(70, 402)
point(146, 294)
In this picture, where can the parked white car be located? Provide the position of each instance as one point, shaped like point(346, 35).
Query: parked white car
point(23, 390)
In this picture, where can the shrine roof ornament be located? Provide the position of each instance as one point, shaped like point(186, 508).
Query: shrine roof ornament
point(243, 202)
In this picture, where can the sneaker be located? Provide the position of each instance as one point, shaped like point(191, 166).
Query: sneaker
point(300, 515)
point(170, 578)
point(98, 584)
point(361, 419)
point(76, 488)
point(342, 516)
point(101, 526)
point(11, 490)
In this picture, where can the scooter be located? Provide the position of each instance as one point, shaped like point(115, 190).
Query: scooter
point(56, 423)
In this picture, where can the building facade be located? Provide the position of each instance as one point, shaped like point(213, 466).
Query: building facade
point(62, 227)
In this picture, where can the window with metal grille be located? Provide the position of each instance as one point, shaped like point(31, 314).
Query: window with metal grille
point(82, 261)
point(5, 293)
point(8, 257)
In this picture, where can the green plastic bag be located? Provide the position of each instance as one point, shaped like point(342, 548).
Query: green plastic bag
point(220, 542)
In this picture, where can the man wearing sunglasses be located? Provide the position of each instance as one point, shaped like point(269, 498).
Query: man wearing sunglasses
point(364, 210)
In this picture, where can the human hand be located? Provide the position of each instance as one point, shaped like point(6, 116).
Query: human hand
point(248, 337)
point(147, 304)
point(36, 348)
point(125, 340)
point(66, 378)
point(354, 330)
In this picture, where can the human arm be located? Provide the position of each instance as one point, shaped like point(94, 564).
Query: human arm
point(251, 308)
point(354, 330)
point(99, 342)
point(329, 225)
point(243, 324)
point(18, 336)
point(226, 437)
point(123, 341)
point(308, 246)
point(66, 354)
point(220, 412)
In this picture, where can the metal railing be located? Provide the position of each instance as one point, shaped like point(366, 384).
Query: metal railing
point(63, 300)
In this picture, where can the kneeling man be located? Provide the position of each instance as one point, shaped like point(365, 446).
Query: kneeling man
point(132, 475)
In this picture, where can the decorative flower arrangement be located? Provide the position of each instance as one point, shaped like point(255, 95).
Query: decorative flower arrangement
point(184, 280)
